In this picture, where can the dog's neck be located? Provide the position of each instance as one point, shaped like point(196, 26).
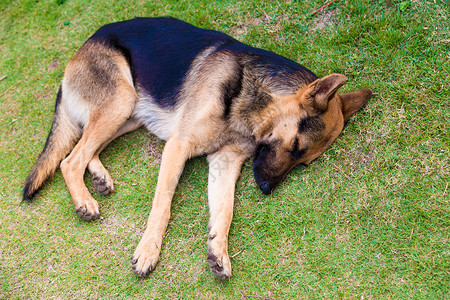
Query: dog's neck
point(259, 105)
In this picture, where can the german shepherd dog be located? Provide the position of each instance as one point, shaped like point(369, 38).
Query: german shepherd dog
point(204, 93)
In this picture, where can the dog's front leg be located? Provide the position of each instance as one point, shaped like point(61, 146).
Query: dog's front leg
point(147, 252)
point(224, 169)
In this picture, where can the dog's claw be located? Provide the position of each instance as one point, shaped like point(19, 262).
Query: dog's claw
point(142, 273)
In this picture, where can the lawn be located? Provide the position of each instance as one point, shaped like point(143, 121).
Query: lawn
point(368, 219)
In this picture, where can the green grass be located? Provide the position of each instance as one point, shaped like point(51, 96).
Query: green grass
point(368, 219)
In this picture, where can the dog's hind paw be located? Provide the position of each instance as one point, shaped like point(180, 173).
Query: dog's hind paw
point(103, 184)
point(88, 210)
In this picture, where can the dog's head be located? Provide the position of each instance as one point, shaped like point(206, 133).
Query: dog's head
point(302, 127)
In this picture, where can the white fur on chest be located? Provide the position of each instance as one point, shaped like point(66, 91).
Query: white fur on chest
point(160, 121)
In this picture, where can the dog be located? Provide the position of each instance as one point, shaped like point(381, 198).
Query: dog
point(204, 93)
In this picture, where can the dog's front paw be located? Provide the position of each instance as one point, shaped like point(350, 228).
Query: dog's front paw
point(218, 259)
point(103, 184)
point(145, 258)
point(87, 209)
point(220, 267)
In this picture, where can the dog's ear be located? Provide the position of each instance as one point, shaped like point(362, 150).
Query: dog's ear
point(352, 102)
point(319, 92)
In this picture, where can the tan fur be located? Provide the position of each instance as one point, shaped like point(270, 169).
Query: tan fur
point(147, 252)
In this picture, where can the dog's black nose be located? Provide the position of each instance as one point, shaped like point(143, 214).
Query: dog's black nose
point(265, 188)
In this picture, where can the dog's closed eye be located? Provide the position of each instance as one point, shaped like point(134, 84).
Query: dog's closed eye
point(260, 149)
point(295, 152)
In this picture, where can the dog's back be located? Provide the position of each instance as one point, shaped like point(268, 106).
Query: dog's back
point(166, 57)
point(159, 52)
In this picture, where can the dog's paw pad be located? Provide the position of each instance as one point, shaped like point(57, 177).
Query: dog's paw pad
point(217, 267)
point(88, 211)
point(103, 184)
point(85, 215)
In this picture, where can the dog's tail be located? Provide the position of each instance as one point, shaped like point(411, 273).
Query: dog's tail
point(61, 139)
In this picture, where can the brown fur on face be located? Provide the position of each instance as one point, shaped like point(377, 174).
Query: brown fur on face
point(313, 118)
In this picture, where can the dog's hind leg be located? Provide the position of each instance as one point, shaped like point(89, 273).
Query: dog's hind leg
point(98, 92)
point(147, 252)
point(224, 169)
point(100, 176)
point(103, 123)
